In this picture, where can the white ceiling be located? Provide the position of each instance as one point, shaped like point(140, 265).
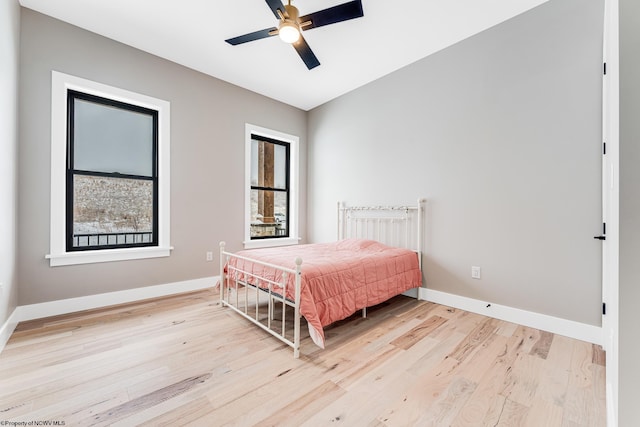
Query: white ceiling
point(351, 53)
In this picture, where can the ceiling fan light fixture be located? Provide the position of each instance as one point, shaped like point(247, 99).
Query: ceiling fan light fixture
point(289, 32)
point(291, 24)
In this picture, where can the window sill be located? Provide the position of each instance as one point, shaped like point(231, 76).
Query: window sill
point(270, 243)
point(106, 255)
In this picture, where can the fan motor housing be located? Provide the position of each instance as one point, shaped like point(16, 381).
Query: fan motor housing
point(292, 13)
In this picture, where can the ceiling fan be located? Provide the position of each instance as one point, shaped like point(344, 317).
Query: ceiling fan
point(291, 24)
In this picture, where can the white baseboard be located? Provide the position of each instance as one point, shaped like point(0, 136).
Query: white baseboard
point(8, 328)
point(556, 325)
point(71, 305)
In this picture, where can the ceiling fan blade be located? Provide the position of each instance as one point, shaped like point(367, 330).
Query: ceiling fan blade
point(306, 53)
point(332, 15)
point(256, 35)
point(274, 5)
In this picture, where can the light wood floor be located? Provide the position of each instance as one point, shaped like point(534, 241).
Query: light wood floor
point(185, 360)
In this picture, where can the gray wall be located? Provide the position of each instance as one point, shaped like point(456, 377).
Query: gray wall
point(207, 153)
point(9, 57)
point(502, 134)
point(629, 344)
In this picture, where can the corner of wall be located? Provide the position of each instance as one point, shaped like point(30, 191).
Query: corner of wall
point(9, 67)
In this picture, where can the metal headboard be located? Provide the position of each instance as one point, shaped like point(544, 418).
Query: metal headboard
point(399, 226)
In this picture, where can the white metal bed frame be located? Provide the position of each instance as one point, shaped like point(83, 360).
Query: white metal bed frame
point(399, 226)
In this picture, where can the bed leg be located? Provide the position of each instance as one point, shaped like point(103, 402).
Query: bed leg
point(222, 273)
point(364, 313)
point(296, 309)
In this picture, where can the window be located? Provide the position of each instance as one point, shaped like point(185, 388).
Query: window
point(112, 181)
point(109, 173)
point(271, 200)
point(269, 188)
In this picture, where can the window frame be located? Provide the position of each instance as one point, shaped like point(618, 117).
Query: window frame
point(59, 255)
point(286, 189)
point(73, 95)
point(293, 187)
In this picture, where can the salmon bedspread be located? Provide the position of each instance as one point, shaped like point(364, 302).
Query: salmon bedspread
point(338, 278)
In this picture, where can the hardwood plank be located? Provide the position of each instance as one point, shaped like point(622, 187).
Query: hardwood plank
point(530, 338)
point(598, 393)
point(543, 413)
point(542, 346)
point(376, 374)
point(449, 404)
point(152, 399)
point(363, 401)
point(554, 374)
point(434, 354)
point(424, 391)
point(305, 406)
point(511, 414)
point(475, 338)
point(486, 402)
point(506, 329)
point(521, 381)
point(419, 332)
point(599, 355)
point(191, 412)
point(462, 322)
point(482, 360)
point(583, 406)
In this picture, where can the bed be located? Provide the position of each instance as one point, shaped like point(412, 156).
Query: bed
point(377, 256)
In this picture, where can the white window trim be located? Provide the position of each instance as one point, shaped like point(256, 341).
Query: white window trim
point(58, 255)
point(293, 142)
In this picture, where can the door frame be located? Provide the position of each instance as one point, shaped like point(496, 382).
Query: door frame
point(610, 203)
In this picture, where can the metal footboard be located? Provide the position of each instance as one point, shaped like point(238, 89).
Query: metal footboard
point(244, 292)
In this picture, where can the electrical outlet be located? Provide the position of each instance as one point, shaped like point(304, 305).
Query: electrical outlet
point(209, 256)
point(475, 272)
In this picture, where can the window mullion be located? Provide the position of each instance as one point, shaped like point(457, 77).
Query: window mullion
point(113, 175)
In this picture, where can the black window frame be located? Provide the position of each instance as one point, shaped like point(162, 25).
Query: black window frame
point(72, 95)
point(287, 189)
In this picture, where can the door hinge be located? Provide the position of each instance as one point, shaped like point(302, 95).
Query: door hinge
point(604, 308)
point(605, 68)
point(604, 148)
